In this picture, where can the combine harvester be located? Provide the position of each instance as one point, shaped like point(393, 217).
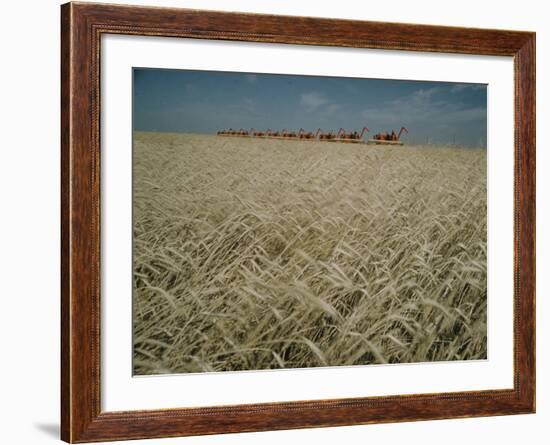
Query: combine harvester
point(283, 134)
point(308, 136)
point(327, 137)
point(352, 137)
point(231, 132)
point(388, 138)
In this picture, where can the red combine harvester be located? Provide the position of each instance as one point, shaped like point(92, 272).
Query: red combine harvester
point(353, 136)
point(232, 132)
point(388, 138)
point(302, 134)
point(328, 136)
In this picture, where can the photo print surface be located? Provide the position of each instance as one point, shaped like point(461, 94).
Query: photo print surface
point(284, 221)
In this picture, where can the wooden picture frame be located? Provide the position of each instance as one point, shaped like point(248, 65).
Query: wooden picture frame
point(82, 25)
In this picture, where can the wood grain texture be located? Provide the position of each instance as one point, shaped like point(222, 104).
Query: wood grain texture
point(81, 28)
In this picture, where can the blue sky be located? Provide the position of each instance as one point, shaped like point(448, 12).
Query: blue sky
point(205, 101)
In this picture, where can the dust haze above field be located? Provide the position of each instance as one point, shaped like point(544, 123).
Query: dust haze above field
point(438, 113)
point(255, 254)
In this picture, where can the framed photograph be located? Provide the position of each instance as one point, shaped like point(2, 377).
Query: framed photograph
point(274, 222)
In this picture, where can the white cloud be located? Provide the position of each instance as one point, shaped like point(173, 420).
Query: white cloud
point(250, 105)
point(333, 109)
point(312, 101)
point(425, 94)
point(460, 87)
point(429, 113)
point(424, 106)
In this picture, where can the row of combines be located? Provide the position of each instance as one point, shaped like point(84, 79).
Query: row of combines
point(354, 137)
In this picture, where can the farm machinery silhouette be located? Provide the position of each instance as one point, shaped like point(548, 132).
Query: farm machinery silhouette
point(353, 137)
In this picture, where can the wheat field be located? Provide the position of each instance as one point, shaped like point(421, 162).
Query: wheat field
point(266, 254)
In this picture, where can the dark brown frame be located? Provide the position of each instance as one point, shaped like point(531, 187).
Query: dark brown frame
point(82, 25)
